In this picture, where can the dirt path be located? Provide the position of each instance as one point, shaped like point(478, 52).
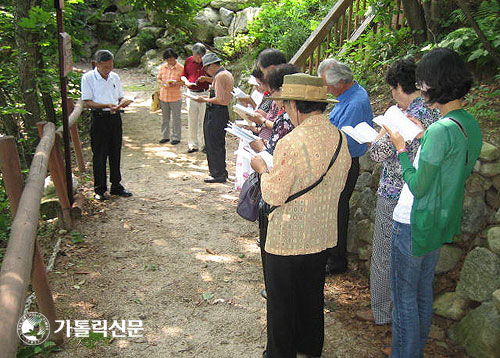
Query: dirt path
point(177, 256)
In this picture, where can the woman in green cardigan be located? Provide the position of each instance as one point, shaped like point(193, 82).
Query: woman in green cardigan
point(429, 210)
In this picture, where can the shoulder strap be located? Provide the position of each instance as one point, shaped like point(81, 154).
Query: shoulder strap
point(317, 182)
point(465, 135)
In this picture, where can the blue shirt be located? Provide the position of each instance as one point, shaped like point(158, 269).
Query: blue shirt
point(353, 108)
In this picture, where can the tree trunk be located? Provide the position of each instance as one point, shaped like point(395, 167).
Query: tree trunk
point(9, 122)
point(414, 13)
point(26, 45)
point(487, 45)
point(432, 11)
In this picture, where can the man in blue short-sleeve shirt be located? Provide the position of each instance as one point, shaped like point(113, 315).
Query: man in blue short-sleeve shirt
point(353, 108)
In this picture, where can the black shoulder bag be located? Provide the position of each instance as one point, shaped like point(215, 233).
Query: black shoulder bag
point(317, 182)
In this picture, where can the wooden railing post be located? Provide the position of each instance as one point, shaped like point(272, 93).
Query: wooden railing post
point(77, 145)
point(56, 167)
point(11, 171)
point(18, 260)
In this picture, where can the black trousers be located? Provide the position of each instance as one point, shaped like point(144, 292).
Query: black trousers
point(106, 143)
point(216, 118)
point(295, 299)
point(343, 212)
point(263, 222)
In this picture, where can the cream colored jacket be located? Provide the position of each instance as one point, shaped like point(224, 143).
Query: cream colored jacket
point(307, 224)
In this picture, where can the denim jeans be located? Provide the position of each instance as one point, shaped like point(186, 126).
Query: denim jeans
point(411, 292)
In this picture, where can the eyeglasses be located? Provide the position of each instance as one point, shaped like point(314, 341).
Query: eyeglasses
point(422, 86)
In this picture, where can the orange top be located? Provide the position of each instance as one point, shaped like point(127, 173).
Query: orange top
point(170, 93)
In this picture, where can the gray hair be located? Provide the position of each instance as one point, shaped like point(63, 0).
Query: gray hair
point(199, 49)
point(335, 71)
point(103, 56)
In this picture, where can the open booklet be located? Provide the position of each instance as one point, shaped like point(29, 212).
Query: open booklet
point(397, 121)
point(247, 152)
point(241, 133)
point(187, 83)
point(189, 95)
point(362, 133)
point(244, 122)
point(238, 93)
point(244, 111)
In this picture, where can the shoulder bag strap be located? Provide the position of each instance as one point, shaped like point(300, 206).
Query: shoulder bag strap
point(316, 183)
point(465, 135)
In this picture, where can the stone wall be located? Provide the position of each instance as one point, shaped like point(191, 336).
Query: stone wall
point(476, 329)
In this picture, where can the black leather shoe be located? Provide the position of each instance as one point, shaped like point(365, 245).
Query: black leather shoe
point(101, 197)
point(336, 265)
point(211, 179)
point(192, 150)
point(164, 141)
point(124, 193)
point(175, 141)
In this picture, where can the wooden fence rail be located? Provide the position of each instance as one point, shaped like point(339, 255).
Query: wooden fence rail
point(345, 22)
point(23, 262)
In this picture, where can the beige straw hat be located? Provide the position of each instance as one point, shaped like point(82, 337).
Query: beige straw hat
point(303, 87)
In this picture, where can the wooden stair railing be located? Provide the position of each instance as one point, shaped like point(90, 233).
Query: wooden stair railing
point(345, 22)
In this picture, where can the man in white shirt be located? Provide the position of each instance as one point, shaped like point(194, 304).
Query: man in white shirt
point(102, 92)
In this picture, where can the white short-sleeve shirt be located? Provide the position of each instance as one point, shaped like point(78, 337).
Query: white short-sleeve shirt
point(97, 89)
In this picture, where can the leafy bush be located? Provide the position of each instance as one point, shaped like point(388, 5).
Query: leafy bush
point(238, 46)
point(287, 24)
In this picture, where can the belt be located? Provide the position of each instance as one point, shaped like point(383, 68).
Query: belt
point(101, 113)
point(198, 91)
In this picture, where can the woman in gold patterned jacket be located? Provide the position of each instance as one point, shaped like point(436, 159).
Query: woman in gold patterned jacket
point(301, 230)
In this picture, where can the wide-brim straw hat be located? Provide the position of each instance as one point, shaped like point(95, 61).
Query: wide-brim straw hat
point(303, 87)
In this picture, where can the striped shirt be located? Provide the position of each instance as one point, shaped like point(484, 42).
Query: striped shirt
point(170, 93)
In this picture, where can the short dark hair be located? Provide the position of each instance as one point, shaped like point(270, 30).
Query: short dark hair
point(169, 52)
point(445, 74)
point(276, 75)
point(308, 106)
point(103, 56)
point(402, 72)
point(258, 74)
point(271, 56)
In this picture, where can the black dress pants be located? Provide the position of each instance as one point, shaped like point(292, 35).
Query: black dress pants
point(216, 118)
point(343, 212)
point(263, 222)
point(295, 299)
point(106, 142)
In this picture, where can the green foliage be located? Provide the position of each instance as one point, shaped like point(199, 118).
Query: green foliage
point(287, 24)
point(238, 46)
point(177, 13)
point(465, 41)
point(42, 350)
point(5, 219)
point(372, 53)
point(482, 103)
point(94, 339)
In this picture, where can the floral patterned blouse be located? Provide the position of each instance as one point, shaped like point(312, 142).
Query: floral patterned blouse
point(272, 114)
point(281, 127)
point(382, 150)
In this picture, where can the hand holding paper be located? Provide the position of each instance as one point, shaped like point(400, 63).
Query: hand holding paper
point(397, 121)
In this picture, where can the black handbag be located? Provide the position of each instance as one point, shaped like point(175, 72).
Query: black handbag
point(316, 183)
point(248, 203)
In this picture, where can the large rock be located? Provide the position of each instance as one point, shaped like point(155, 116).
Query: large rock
point(474, 213)
point(149, 35)
point(451, 305)
point(480, 275)
point(495, 297)
point(209, 14)
point(493, 198)
point(477, 184)
point(205, 29)
point(494, 239)
point(490, 169)
point(479, 332)
point(368, 202)
point(496, 182)
point(226, 16)
point(366, 163)
point(242, 19)
point(365, 252)
point(489, 152)
point(220, 41)
point(129, 54)
point(448, 258)
point(364, 181)
point(233, 5)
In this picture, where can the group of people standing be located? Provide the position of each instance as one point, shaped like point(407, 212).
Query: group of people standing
point(308, 170)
